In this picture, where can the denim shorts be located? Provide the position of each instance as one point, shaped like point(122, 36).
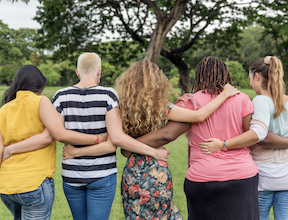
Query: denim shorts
point(36, 204)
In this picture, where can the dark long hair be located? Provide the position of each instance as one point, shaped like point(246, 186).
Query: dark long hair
point(211, 75)
point(28, 77)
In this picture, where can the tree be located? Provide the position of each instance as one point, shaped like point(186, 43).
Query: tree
point(15, 47)
point(273, 16)
point(238, 74)
point(163, 27)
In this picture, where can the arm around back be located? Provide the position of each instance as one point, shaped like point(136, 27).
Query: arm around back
point(51, 120)
point(119, 138)
point(164, 135)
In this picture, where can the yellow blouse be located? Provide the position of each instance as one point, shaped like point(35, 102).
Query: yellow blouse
point(19, 120)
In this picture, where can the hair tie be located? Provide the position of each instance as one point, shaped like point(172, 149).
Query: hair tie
point(267, 60)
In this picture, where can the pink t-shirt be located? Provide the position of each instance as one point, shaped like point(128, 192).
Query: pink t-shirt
point(226, 122)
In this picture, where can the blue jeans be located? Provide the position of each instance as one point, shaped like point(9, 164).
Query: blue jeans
point(92, 201)
point(277, 199)
point(36, 204)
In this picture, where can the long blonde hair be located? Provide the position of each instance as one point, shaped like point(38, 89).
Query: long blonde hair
point(143, 94)
point(271, 69)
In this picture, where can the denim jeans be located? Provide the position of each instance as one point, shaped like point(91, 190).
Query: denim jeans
point(277, 199)
point(36, 204)
point(92, 201)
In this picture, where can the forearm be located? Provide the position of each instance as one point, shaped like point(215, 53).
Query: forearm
point(274, 141)
point(35, 142)
point(246, 139)
point(95, 150)
point(164, 135)
point(1, 147)
point(130, 144)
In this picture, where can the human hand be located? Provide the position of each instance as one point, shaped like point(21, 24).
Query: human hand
point(6, 153)
point(69, 152)
point(210, 145)
point(230, 90)
point(161, 153)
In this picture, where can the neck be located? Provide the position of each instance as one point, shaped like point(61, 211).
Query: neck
point(87, 81)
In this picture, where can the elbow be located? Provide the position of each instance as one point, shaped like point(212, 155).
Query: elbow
point(168, 136)
point(200, 118)
point(59, 136)
point(48, 139)
point(117, 139)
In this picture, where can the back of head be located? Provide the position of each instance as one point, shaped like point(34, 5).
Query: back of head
point(28, 77)
point(88, 63)
point(271, 70)
point(211, 75)
point(143, 92)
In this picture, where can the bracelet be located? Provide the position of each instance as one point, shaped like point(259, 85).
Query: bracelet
point(97, 139)
point(224, 148)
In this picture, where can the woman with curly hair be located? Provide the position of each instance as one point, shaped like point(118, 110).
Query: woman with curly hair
point(144, 90)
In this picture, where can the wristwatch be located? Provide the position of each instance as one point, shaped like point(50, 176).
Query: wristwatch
point(224, 148)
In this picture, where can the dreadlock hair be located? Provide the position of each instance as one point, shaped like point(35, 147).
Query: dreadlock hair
point(271, 70)
point(211, 76)
point(144, 92)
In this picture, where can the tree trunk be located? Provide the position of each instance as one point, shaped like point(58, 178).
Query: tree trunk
point(176, 59)
point(156, 42)
point(164, 24)
point(184, 81)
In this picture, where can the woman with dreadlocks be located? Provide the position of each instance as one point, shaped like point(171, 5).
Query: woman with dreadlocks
point(270, 105)
point(222, 185)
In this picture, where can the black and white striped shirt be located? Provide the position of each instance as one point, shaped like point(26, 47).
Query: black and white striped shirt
point(84, 111)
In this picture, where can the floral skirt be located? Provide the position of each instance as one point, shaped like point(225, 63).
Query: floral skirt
point(146, 189)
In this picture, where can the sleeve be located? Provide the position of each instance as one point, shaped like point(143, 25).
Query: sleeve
point(56, 101)
point(188, 101)
point(113, 100)
point(261, 110)
point(170, 106)
point(248, 106)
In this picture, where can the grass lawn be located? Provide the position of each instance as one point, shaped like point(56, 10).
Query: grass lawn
point(177, 163)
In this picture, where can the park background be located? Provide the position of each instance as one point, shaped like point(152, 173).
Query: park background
point(175, 34)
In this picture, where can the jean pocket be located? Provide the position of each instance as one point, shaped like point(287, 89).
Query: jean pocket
point(32, 198)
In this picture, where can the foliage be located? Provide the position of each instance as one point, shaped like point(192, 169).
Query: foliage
point(238, 73)
point(52, 76)
point(273, 16)
point(70, 27)
point(15, 47)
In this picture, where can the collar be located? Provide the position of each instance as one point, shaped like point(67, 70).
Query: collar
point(24, 93)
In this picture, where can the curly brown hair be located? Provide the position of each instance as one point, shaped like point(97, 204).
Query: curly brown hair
point(211, 76)
point(144, 92)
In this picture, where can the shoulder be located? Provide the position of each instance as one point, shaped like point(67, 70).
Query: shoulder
point(63, 91)
point(108, 91)
point(188, 99)
point(261, 100)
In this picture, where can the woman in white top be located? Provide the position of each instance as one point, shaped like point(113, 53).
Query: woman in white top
point(270, 114)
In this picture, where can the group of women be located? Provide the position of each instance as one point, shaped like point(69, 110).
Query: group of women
point(224, 177)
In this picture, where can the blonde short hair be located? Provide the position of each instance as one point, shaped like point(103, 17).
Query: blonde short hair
point(88, 63)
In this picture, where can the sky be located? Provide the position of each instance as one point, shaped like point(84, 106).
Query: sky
point(18, 14)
